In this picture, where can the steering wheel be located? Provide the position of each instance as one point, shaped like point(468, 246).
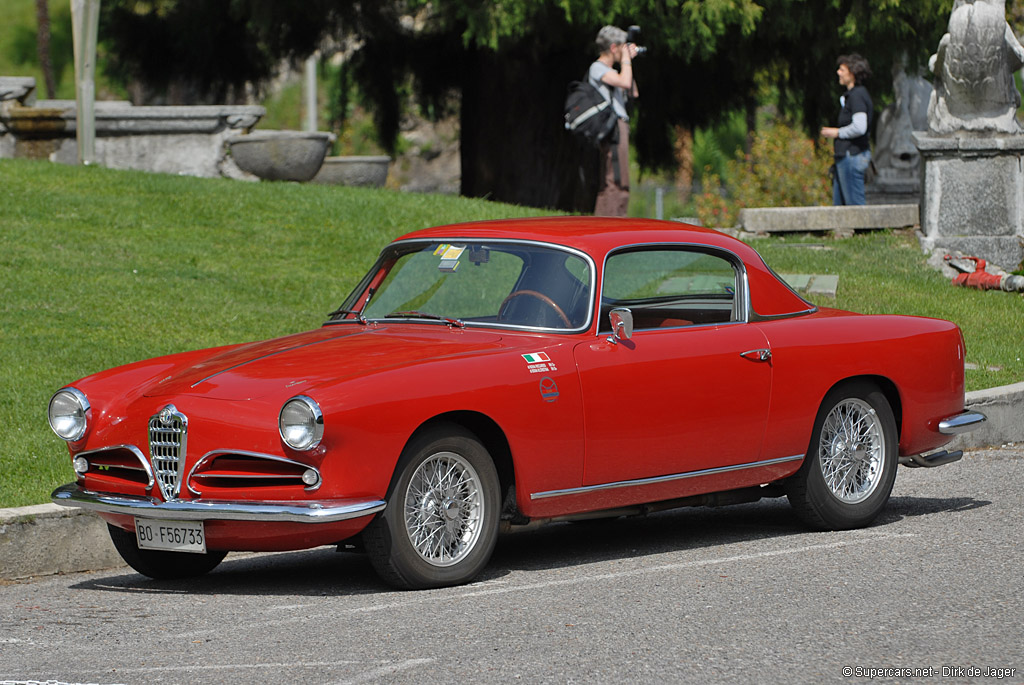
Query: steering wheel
point(540, 296)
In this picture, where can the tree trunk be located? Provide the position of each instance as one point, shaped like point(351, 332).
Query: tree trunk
point(516, 149)
point(43, 46)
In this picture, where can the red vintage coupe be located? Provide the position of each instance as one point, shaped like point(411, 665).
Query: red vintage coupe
point(496, 373)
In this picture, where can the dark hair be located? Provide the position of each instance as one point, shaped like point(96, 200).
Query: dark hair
point(857, 65)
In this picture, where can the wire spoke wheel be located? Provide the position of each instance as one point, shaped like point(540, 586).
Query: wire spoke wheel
point(443, 508)
point(852, 450)
point(850, 468)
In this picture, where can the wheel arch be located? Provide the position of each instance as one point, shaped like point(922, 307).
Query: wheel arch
point(488, 432)
point(887, 388)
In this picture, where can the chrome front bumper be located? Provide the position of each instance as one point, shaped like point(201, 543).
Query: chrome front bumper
point(323, 511)
point(961, 423)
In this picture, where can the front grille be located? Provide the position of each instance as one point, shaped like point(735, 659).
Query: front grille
point(167, 433)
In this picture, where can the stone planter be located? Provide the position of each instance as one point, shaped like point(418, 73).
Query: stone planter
point(354, 171)
point(280, 155)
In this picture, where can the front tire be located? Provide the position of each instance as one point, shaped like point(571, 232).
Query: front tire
point(850, 468)
point(162, 565)
point(441, 522)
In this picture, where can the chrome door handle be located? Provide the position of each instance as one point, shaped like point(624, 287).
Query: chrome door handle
point(761, 355)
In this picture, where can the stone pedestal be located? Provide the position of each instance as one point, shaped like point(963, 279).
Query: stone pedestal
point(973, 196)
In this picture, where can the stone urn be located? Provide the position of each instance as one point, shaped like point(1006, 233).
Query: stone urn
point(280, 155)
point(354, 171)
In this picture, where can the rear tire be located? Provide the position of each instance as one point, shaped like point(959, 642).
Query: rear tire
point(441, 521)
point(850, 467)
point(162, 565)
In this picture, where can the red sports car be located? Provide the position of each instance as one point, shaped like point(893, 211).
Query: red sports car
point(492, 374)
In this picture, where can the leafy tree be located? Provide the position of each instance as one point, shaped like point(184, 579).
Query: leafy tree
point(510, 60)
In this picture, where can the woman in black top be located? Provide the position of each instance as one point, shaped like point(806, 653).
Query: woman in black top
point(852, 151)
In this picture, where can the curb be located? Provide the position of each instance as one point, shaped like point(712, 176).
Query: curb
point(46, 539)
point(1004, 407)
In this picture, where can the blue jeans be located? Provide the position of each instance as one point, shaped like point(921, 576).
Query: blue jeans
point(848, 184)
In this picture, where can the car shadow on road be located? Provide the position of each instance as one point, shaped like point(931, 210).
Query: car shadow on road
point(904, 507)
point(324, 571)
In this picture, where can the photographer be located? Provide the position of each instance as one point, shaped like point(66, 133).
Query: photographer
point(617, 86)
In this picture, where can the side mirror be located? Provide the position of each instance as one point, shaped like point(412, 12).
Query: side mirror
point(622, 325)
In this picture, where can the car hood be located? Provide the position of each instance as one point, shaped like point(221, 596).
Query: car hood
point(295, 363)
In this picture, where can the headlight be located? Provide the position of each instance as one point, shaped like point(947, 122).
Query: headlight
point(69, 414)
point(301, 423)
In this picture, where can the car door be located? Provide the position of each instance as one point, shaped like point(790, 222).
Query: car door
point(690, 390)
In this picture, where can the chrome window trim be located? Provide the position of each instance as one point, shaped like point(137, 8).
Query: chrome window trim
point(245, 453)
point(789, 315)
point(743, 292)
point(150, 478)
point(663, 479)
point(688, 327)
point(479, 324)
point(762, 318)
point(322, 511)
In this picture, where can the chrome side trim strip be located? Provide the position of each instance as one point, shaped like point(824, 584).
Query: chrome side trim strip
point(961, 423)
point(134, 450)
point(323, 511)
point(663, 479)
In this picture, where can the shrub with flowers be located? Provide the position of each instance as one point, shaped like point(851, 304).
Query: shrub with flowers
point(783, 169)
point(713, 208)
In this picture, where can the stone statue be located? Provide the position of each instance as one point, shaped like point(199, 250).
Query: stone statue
point(896, 154)
point(973, 67)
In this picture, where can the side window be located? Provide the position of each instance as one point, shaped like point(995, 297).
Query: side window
point(666, 287)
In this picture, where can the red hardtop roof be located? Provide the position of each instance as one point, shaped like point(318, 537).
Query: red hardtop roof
point(597, 236)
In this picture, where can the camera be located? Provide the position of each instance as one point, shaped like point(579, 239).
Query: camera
point(633, 36)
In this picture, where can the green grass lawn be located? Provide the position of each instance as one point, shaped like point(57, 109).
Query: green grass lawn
point(101, 267)
point(886, 273)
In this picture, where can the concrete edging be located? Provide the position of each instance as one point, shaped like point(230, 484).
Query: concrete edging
point(1004, 407)
point(827, 218)
point(45, 539)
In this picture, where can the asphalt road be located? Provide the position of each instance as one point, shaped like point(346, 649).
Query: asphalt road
point(741, 594)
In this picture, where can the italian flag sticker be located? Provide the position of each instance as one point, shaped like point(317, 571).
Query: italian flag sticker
point(536, 357)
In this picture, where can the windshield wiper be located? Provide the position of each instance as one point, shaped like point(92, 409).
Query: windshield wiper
point(413, 314)
point(357, 312)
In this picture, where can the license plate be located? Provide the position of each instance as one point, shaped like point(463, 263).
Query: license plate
point(171, 536)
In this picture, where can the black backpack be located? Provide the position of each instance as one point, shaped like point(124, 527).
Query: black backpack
point(588, 116)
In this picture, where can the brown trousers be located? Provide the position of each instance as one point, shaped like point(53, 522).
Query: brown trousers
point(612, 197)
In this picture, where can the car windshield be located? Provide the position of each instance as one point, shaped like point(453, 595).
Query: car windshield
point(495, 283)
